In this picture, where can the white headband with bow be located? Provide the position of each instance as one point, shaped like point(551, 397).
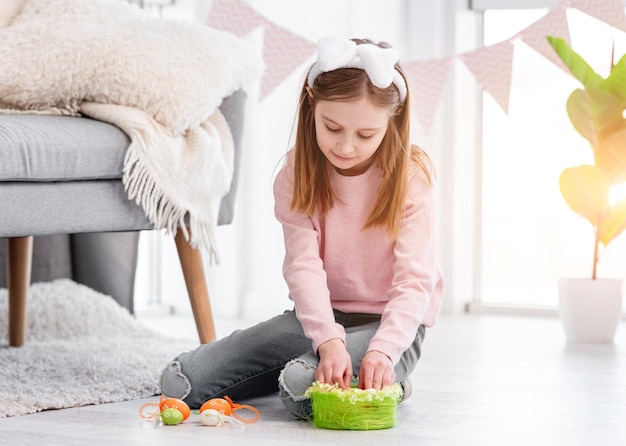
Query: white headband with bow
point(379, 63)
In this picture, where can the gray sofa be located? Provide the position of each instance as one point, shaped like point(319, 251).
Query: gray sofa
point(103, 261)
point(60, 181)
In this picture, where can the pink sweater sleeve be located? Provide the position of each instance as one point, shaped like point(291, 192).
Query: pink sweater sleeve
point(416, 290)
point(303, 267)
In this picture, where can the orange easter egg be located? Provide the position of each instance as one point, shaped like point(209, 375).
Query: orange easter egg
point(219, 404)
point(175, 403)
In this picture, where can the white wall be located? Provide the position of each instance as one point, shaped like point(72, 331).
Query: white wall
point(248, 282)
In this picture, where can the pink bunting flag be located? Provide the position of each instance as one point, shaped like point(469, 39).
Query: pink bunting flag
point(552, 24)
point(492, 66)
point(609, 11)
point(234, 16)
point(283, 52)
point(427, 80)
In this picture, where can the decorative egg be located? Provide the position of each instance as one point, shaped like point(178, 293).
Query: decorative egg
point(211, 417)
point(175, 403)
point(218, 404)
point(171, 416)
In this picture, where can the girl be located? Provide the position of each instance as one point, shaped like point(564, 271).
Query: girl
point(356, 205)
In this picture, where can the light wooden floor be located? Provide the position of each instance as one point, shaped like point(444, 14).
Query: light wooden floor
point(482, 380)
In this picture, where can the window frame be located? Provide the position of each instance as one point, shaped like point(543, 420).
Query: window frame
point(475, 305)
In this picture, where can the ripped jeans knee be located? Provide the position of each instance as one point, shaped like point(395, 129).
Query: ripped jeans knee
point(295, 378)
point(173, 382)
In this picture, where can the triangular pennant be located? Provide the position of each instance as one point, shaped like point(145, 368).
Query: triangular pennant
point(233, 16)
point(552, 24)
point(283, 52)
point(492, 65)
point(427, 80)
point(609, 11)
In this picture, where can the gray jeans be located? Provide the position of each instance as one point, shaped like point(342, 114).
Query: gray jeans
point(274, 355)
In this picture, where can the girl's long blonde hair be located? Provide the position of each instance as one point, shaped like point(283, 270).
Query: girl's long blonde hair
point(395, 155)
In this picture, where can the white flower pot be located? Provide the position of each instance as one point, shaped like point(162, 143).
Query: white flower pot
point(590, 310)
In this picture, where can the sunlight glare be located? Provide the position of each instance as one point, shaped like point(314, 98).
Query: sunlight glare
point(616, 193)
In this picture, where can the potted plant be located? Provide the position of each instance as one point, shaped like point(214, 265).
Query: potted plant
point(590, 309)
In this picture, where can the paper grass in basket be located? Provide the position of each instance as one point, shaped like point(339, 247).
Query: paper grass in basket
point(353, 408)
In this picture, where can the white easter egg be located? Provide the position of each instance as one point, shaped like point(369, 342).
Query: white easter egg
point(211, 417)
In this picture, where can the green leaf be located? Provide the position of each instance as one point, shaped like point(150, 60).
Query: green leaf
point(614, 222)
point(595, 114)
point(586, 190)
point(616, 82)
point(576, 64)
point(610, 155)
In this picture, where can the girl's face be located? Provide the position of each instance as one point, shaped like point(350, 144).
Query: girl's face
point(349, 133)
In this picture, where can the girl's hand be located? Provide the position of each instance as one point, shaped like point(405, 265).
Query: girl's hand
point(376, 371)
point(335, 365)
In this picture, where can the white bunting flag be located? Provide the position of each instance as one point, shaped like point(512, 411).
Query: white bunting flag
point(552, 24)
point(609, 11)
point(492, 66)
point(283, 52)
point(427, 80)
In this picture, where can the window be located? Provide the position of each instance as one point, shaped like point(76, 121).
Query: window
point(529, 237)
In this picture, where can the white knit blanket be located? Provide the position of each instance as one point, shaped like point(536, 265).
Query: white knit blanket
point(161, 81)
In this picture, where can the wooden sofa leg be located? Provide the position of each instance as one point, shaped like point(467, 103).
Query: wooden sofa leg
point(193, 270)
point(20, 256)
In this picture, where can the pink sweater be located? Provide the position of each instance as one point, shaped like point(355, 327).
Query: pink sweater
point(331, 263)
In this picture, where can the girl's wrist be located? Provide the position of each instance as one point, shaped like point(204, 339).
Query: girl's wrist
point(381, 353)
point(331, 344)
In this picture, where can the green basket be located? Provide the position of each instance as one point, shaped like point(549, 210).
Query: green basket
point(354, 409)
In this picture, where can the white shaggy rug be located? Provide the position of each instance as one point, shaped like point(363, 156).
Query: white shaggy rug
point(81, 348)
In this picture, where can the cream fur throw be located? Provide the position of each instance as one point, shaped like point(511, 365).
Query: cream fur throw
point(159, 80)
